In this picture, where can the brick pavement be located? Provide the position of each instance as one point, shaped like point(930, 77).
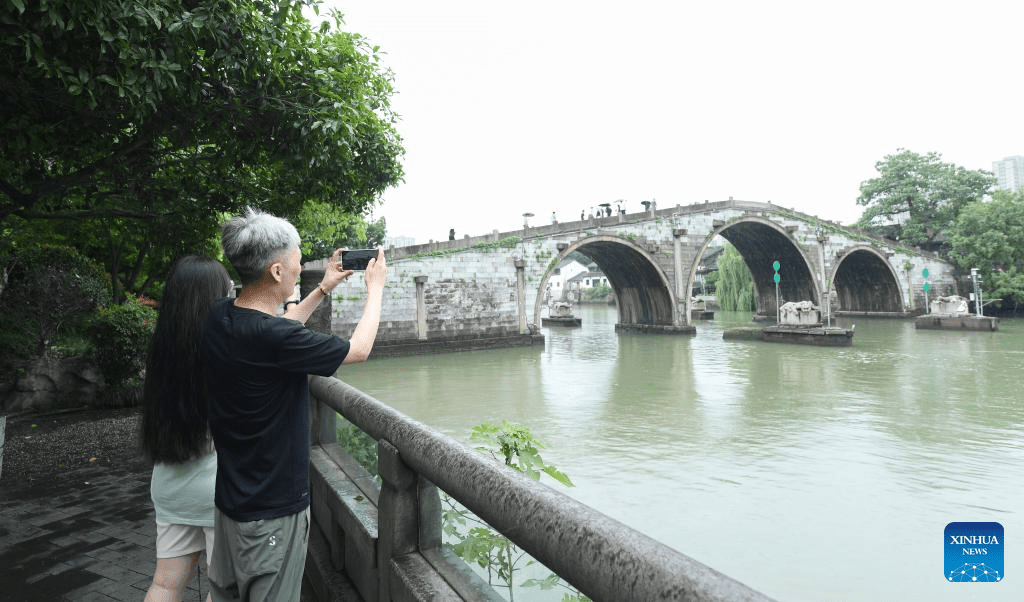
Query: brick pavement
point(85, 536)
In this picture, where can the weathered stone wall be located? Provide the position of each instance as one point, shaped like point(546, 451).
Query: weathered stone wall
point(53, 384)
point(469, 292)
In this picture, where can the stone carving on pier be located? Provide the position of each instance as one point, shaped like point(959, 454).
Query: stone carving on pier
point(560, 314)
point(560, 309)
point(800, 313)
point(953, 305)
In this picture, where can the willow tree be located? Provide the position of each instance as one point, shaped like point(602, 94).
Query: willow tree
point(128, 127)
point(735, 285)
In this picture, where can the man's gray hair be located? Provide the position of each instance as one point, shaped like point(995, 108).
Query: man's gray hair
point(255, 240)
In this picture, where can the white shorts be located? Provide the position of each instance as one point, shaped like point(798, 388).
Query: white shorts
point(173, 541)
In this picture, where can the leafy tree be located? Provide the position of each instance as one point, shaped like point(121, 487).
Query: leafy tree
point(916, 197)
point(734, 286)
point(376, 232)
point(990, 237)
point(47, 291)
point(326, 227)
point(133, 125)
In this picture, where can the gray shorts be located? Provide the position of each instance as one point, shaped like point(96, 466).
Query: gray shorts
point(259, 561)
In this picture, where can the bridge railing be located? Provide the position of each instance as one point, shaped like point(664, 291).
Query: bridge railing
point(571, 225)
point(386, 541)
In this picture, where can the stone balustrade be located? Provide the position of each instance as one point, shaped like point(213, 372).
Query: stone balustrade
point(385, 542)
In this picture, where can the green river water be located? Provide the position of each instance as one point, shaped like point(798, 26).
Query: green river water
point(809, 474)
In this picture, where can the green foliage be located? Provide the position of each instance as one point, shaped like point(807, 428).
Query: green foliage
point(597, 292)
point(46, 291)
point(376, 232)
point(326, 227)
point(473, 540)
point(734, 286)
point(120, 336)
point(711, 281)
point(509, 242)
point(517, 447)
point(916, 197)
point(990, 237)
point(359, 445)
point(132, 125)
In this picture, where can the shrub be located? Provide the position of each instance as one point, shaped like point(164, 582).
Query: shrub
point(359, 445)
point(120, 336)
point(46, 291)
point(597, 292)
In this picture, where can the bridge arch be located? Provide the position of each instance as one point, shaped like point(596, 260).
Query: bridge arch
point(642, 290)
point(761, 241)
point(865, 281)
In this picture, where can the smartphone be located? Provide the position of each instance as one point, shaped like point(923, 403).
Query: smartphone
point(356, 259)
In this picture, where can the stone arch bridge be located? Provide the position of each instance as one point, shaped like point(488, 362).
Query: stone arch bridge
point(494, 285)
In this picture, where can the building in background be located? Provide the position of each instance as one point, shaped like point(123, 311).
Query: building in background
point(581, 287)
point(557, 290)
point(1009, 173)
point(399, 241)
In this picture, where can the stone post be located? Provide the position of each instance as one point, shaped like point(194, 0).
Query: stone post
point(911, 306)
point(521, 294)
point(398, 513)
point(421, 307)
point(320, 319)
point(3, 438)
point(825, 300)
point(682, 279)
point(323, 419)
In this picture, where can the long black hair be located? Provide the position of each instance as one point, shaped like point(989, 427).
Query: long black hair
point(175, 414)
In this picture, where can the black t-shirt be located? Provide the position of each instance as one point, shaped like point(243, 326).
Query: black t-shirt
point(256, 368)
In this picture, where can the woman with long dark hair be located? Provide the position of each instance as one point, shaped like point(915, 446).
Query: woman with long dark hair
point(175, 431)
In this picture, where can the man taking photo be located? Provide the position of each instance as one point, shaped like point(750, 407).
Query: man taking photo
point(256, 367)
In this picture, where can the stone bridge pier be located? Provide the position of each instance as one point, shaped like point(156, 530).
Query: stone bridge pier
point(493, 286)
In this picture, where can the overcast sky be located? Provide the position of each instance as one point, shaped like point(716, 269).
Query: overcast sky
point(558, 105)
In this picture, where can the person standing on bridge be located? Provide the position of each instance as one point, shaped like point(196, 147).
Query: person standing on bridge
point(174, 431)
point(257, 365)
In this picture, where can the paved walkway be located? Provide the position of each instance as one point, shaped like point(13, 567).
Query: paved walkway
point(85, 536)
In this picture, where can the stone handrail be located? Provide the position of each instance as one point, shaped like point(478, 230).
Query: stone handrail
point(666, 212)
point(387, 541)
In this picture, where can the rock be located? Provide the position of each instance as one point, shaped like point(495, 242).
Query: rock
point(53, 384)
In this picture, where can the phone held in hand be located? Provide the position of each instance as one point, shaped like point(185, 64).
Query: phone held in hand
point(356, 259)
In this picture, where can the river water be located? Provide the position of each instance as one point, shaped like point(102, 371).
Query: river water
point(808, 473)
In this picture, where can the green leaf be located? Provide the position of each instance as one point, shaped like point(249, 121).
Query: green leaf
point(548, 582)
